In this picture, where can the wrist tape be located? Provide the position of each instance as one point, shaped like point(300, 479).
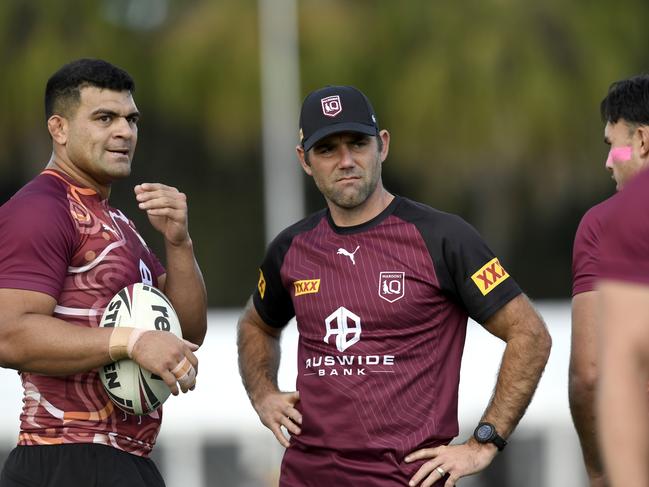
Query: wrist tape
point(121, 343)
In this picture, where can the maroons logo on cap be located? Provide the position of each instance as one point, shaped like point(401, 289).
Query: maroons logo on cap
point(331, 106)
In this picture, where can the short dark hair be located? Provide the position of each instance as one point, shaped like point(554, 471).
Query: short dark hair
point(627, 99)
point(63, 89)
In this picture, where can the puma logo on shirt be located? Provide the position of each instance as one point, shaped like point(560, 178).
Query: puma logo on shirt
point(342, 251)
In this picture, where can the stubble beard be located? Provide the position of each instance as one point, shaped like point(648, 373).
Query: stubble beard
point(121, 172)
point(348, 198)
point(107, 174)
point(116, 170)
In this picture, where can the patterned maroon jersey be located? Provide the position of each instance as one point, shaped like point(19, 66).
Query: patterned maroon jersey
point(624, 248)
point(381, 311)
point(585, 251)
point(64, 240)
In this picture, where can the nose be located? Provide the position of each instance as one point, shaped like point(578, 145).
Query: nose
point(346, 158)
point(124, 128)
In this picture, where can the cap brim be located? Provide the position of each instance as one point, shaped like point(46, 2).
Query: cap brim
point(320, 134)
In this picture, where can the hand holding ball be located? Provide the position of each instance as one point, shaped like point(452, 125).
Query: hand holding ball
point(133, 311)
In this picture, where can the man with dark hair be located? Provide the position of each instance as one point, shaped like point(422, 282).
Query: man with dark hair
point(64, 253)
point(622, 420)
point(381, 287)
point(625, 111)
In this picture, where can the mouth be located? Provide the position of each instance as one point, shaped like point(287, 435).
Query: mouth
point(119, 152)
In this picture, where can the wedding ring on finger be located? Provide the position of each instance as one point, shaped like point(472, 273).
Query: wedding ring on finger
point(440, 471)
point(185, 373)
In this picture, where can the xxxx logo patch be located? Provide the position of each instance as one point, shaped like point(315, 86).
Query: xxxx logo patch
point(489, 276)
point(308, 286)
point(261, 285)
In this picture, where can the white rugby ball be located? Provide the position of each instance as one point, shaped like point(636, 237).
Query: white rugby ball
point(131, 388)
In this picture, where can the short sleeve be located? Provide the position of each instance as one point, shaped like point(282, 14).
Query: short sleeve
point(37, 241)
point(271, 299)
point(585, 249)
point(477, 277)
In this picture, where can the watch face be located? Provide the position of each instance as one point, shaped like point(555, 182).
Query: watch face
point(484, 432)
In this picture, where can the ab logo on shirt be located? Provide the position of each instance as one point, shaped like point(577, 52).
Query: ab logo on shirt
point(340, 324)
point(345, 326)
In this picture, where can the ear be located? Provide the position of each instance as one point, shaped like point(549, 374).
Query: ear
point(301, 157)
point(58, 129)
point(643, 133)
point(385, 138)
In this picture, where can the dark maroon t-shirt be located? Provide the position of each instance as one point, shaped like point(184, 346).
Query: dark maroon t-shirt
point(62, 239)
point(381, 312)
point(585, 251)
point(624, 250)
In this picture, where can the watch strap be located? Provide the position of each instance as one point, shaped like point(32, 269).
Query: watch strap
point(499, 441)
point(494, 438)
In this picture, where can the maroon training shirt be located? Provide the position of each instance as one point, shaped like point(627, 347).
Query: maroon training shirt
point(381, 312)
point(63, 240)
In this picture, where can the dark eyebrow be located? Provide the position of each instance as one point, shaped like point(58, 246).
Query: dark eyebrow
point(112, 113)
point(353, 137)
point(322, 143)
point(358, 136)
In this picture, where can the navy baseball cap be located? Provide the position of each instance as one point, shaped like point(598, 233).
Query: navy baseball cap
point(334, 109)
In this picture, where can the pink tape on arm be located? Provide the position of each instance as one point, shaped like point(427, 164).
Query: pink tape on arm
point(619, 154)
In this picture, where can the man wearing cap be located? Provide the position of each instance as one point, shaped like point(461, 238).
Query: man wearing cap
point(381, 287)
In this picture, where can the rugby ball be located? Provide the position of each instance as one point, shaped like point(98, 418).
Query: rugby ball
point(131, 388)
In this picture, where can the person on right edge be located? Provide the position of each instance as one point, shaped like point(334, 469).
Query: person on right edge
point(625, 110)
point(381, 287)
point(623, 286)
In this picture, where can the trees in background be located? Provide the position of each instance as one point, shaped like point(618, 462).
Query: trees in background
point(493, 108)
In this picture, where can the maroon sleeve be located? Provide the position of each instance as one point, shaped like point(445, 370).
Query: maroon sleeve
point(37, 241)
point(585, 250)
point(624, 249)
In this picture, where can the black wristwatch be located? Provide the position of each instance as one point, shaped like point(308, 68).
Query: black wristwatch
point(486, 433)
